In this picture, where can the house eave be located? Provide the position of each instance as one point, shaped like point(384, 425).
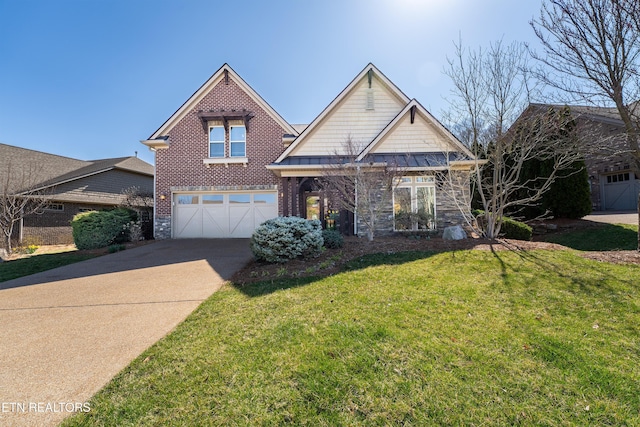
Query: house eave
point(466, 164)
point(155, 144)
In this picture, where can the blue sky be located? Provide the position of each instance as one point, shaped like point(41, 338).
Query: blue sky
point(90, 78)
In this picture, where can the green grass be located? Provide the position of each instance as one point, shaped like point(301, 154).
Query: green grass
point(609, 237)
point(35, 264)
point(459, 338)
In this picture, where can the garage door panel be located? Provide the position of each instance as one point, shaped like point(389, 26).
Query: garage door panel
point(620, 191)
point(265, 212)
point(240, 221)
point(221, 215)
point(189, 221)
point(215, 221)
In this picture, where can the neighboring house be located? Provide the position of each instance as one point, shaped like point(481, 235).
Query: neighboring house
point(613, 183)
point(71, 186)
point(226, 161)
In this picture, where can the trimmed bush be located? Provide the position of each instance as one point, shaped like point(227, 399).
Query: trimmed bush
point(511, 229)
point(332, 239)
point(284, 238)
point(517, 230)
point(99, 229)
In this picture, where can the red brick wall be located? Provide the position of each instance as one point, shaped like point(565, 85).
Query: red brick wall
point(53, 227)
point(182, 163)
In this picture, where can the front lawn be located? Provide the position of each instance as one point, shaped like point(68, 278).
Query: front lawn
point(608, 237)
point(456, 338)
point(37, 263)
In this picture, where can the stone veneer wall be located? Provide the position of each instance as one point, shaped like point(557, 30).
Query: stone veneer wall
point(447, 213)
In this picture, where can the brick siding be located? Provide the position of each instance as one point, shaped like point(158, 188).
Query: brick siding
point(181, 165)
point(53, 227)
point(95, 192)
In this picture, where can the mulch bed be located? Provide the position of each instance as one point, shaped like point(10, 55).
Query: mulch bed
point(332, 261)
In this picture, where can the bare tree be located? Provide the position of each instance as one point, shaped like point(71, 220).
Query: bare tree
point(492, 90)
point(592, 51)
point(364, 188)
point(141, 202)
point(20, 196)
point(137, 199)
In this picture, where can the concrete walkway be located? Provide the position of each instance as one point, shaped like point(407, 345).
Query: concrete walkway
point(65, 333)
point(614, 217)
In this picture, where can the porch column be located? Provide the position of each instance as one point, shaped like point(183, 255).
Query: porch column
point(285, 196)
point(295, 188)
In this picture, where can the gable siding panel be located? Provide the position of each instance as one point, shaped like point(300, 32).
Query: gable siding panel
point(419, 137)
point(351, 119)
point(105, 188)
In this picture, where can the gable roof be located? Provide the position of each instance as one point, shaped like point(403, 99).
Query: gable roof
point(412, 108)
point(370, 68)
point(606, 115)
point(205, 89)
point(47, 170)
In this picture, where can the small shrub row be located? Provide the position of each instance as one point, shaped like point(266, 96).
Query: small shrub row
point(511, 229)
point(517, 230)
point(283, 238)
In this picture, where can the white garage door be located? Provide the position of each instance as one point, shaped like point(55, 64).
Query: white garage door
point(220, 215)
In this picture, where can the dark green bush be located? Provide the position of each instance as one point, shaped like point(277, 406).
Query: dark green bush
point(116, 248)
point(512, 229)
point(570, 195)
point(99, 229)
point(332, 239)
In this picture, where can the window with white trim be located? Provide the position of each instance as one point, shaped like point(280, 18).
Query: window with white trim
point(216, 141)
point(414, 203)
point(237, 141)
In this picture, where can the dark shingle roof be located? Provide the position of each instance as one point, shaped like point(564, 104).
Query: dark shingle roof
point(609, 115)
point(44, 169)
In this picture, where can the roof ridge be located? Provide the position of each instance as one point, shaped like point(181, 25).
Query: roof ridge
point(44, 153)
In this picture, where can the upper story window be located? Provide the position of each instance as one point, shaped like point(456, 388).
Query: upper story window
point(216, 141)
point(227, 142)
point(238, 141)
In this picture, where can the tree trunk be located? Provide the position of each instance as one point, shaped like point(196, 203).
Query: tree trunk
point(7, 243)
point(638, 222)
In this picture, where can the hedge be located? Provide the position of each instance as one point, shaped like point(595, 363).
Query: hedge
point(99, 229)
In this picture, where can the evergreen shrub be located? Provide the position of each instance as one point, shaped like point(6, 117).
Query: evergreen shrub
point(517, 230)
point(332, 239)
point(99, 229)
point(283, 238)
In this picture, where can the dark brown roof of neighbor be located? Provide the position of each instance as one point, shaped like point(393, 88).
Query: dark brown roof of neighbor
point(31, 168)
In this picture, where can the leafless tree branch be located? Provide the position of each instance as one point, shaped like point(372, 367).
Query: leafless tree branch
point(20, 196)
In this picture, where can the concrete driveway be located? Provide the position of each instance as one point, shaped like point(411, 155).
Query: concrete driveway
point(65, 333)
point(614, 217)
